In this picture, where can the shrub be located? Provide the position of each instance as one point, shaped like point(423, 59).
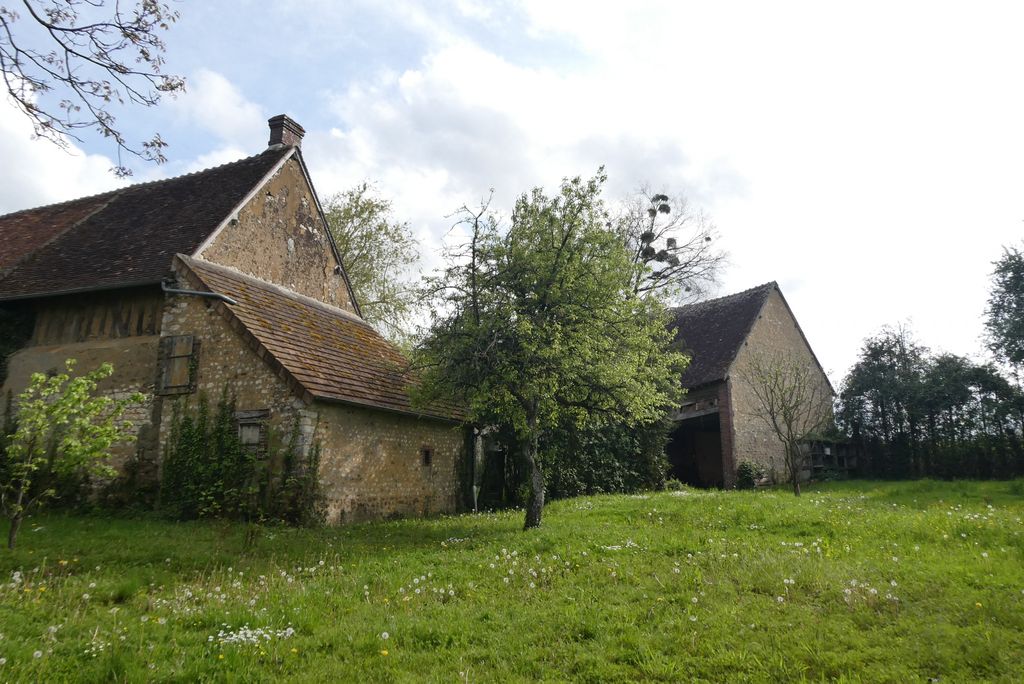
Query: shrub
point(606, 459)
point(748, 473)
point(62, 434)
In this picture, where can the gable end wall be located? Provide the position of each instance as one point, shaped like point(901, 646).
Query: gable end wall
point(774, 332)
point(279, 237)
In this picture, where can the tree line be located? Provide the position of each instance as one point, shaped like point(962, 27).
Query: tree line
point(914, 412)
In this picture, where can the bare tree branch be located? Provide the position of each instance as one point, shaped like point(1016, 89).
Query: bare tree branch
point(53, 47)
point(792, 401)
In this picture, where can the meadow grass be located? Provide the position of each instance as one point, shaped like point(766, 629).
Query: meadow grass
point(857, 581)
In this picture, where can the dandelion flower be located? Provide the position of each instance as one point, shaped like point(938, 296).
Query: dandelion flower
point(384, 651)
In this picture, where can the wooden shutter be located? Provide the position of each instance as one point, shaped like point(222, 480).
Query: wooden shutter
point(179, 360)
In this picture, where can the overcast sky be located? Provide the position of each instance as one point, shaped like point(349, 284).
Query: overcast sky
point(869, 158)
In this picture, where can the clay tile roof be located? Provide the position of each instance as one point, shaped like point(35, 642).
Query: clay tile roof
point(125, 237)
point(712, 332)
point(332, 354)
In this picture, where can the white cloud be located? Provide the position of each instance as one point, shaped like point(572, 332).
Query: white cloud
point(867, 158)
point(36, 172)
point(216, 105)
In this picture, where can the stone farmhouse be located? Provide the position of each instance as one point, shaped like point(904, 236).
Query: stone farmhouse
point(228, 279)
point(717, 425)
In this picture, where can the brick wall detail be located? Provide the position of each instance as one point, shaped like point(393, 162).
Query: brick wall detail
point(226, 363)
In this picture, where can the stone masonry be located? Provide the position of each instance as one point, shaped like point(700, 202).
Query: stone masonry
point(372, 464)
point(254, 224)
point(278, 237)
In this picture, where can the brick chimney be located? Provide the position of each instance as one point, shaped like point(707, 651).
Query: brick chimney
point(284, 131)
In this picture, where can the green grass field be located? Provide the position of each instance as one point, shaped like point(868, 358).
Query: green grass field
point(856, 581)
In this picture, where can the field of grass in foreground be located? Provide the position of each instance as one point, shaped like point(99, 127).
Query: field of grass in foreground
point(855, 581)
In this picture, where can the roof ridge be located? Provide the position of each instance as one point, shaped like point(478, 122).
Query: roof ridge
point(280, 289)
point(55, 205)
point(763, 286)
point(143, 184)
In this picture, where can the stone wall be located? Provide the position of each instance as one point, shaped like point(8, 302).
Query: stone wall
point(225, 362)
point(372, 465)
point(774, 333)
point(279, 237)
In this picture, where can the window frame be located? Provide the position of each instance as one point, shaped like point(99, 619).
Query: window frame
point(168, 356)
point(250, 418)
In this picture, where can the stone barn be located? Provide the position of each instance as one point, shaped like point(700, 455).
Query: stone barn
point(228, 280)
point(717, 425)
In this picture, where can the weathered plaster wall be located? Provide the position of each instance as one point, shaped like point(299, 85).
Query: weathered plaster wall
point(117, 328)
point(371, 465)
point(279, 237)
point(774, 333)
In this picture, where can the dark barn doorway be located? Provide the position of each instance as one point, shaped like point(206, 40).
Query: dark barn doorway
point(695, 451)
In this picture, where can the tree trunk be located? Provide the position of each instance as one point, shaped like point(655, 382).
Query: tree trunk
point(535, 504)
point(794, 467)
point(19, 514)
point(12, 534)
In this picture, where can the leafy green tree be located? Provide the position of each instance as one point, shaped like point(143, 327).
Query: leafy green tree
point(1004, 317)
point(90, 57)
point(62, 429)
point(915, 413)
point(538, 324)
point(881, 400)
point(378, 254)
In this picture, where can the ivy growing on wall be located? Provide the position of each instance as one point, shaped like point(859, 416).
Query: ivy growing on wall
point(208, 473)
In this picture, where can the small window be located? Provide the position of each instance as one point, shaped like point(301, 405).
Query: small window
point(252, 430)
point(426, 456)
point(179, 356)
